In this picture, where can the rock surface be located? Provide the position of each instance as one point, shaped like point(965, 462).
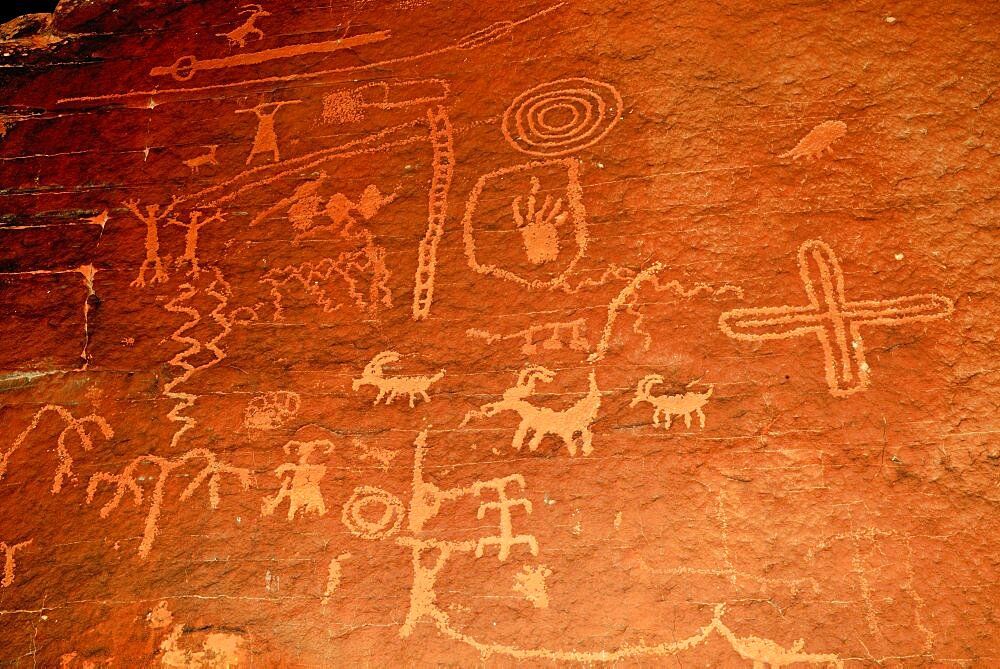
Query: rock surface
point(515, 333)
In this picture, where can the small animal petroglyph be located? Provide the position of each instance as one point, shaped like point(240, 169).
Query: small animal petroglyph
point(569, 424)
point(78, 426)
point(238, 36)
point(207, 158)
point(393, 386)
point(266, 138)
point(271, 410)
point(555, 341)
point(357, 518)
point(668, 406)
point(818, 140)
point(383, 456)
point(530, 584)
point(301, 489)
point(562, 116)
point(127, 481)
point(539, 227)
point(8, 560)
point(830, 316)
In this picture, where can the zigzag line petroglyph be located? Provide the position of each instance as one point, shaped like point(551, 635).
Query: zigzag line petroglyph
point(315, 278)
point(76, 425)
point(567, 424)
point(8, 560)
point(442, 165)
point(128, 481)
point(834, 320)
point(473, 40)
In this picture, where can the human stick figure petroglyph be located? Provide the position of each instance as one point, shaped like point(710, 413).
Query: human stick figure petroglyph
point(556, 340)
point(128, 481)
point(186, 66)
point(567, 424)
point(151, 219)
point(393, 386)
point(819, 139)
point(266, 138)
point(207, 158)
point(667, 406)
point(561, 116)
point(8, 560)
point(238, 36)
point(504, 504)
point(301, 489)
point(191, 229)
point(832, 318)
point(74, 425)
point(442, 168)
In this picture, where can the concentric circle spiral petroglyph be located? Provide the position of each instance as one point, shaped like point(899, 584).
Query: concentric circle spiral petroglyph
point(357, 519)
point(562, 116)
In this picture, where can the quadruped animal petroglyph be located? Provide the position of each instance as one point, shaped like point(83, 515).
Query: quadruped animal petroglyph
point(665, 407)
point(832, 318)
point(391, 387)
point(571, 425)
point(819, 139)
point(239, 35)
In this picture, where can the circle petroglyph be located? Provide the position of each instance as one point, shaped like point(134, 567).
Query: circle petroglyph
point(562, 116)
point(361, 515)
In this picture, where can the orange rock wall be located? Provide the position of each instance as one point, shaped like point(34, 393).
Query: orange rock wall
point(506, 334)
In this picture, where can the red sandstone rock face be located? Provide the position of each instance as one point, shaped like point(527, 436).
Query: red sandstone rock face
point(410, 334)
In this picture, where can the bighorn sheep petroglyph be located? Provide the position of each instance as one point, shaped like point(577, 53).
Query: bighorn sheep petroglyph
point(374, 375)
point(668, 406)
point(540, 421)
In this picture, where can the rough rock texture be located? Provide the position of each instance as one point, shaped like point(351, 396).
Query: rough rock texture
point(410, 333)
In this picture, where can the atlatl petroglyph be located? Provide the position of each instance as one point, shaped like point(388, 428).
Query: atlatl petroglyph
point(185, 67)
point(555, 341)
point(238, 36)
point(562, 116)
point(9, 564)
point(568, 424)
point(391, 387)
point(73, 425)
point(832, 318)
point(266, 138)
point(271, 410)
point(538, 228)
point(349, 105)
point(301, 489)
point(668, 406)
point(819, 139)
point(127, 481)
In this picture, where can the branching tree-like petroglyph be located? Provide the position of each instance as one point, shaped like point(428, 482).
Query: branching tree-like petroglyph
point(820, 139)
point(570, 425)
point(392, 387)
point(299, 481)
point(665, 407)
point(128, 481)
point(77, 426)
point(832, 318)
point(9, 564)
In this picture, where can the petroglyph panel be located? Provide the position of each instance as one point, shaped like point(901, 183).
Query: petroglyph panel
point(560, 333)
